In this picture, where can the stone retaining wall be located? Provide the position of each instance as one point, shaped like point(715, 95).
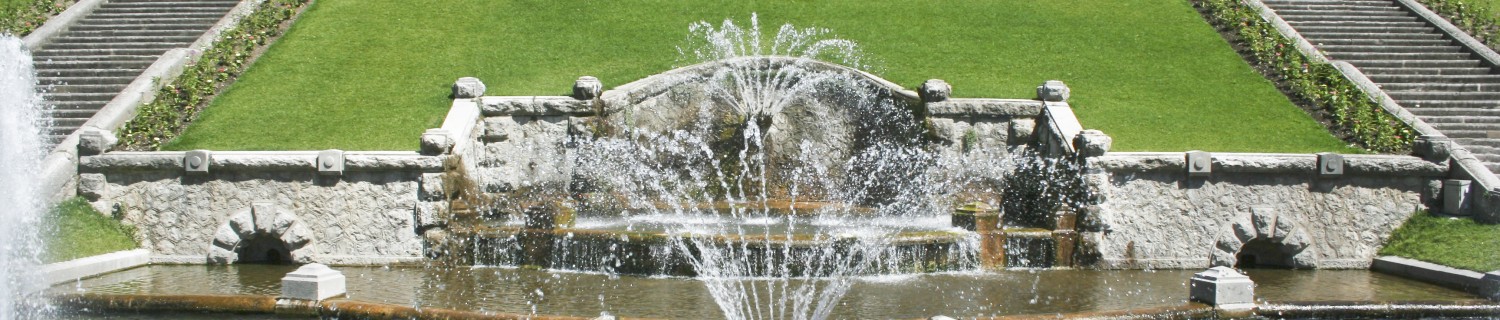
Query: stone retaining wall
point(329, 207)
point(1195, 210)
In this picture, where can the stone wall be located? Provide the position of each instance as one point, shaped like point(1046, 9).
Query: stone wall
point(1195, 210)
point(329, 207)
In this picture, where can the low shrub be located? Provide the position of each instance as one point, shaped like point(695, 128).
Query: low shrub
point(21, 17)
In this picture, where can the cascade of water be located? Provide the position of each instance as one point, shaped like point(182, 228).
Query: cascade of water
point(780, 128)
point(21, 148)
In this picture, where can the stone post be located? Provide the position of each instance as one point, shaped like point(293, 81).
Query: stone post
point(468, 88)
point(536, 238)
point(935, 90)
point(1053, 90)
point(301, 290)
point(1064, 237)
point(1456, 199)
point(1223, 288)
point(587, 88)
point(985, 221)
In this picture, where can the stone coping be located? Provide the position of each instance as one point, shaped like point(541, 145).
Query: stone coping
point(1354, 164)
point(260, 161)
point(639, 90)
point(330, 260)
point(1483, 284)
point(85, 267)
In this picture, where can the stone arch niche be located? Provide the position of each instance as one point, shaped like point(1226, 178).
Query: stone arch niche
point(1265, 238)
point(263, 233)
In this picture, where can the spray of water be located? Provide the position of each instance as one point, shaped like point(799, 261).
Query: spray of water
point(21, 148)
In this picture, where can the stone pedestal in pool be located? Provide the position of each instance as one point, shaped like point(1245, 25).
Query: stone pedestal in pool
point(1223, 288)
point(312, 282)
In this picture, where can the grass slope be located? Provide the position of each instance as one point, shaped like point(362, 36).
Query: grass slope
point(79, 231)
point(373, 74)
point(1458, 243)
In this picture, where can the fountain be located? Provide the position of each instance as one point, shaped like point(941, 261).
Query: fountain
point(21, 148)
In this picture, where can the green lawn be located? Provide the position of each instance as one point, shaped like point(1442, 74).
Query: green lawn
point(373, 74)
point(79, 231)
point(1458, 243)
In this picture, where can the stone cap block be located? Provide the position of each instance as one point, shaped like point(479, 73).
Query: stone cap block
point(1330, 164)
point(935, 90)
point(93, 141)
point(1223, 288)
point(436, 142)
point(1092, 143)
point(1199, 163)
point(1053, 90)
point(312, 282)
point(587, 88)
point(1432, 147)
point(197, 161)
point(468, 88)
point(330, 162)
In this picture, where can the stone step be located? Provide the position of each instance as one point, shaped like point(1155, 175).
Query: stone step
point(1414, 105)
point(219, 9)
point(85, 88)
point(1460, 119)
point(1492, 143)
point(1456, 112)
point(154, 15)
point(196, 28)
point(1391, 49)
point(1416, 63)
point(1315, 35)
point(93, 64)
point(90, 96)
point(168, 4)
point(1470, 87)
point(77, 105)
point(1364, 29)
point(72, 39)
point(134, 33)
point(1429, 95)
point(1458, 133)
point(1411, 78)
point(89, 73)
point(67, 125)
point(73, 113)
point(44, 80)
point(1426, 71)
point(151, 58)
point(1363, 24)
point(1399, 55)
point(1381, 42)
point(1296, 20)
point(97, 52)
point(116, 45)
point(152, 21)
point(1366, 11)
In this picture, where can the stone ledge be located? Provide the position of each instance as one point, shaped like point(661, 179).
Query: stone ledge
point(1466, 280)
point(260, 161)
point(1270, 163)
point(985, 107)
point(534, 106)
point(75, 269)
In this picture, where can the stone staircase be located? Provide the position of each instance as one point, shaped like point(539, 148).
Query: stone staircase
point(1425, 71)
point(86, 66)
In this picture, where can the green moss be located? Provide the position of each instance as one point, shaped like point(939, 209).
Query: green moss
point(76, 230)
point(1454, 242)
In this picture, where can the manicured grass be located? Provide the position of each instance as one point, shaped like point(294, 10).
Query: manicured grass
point(1458, 243)
point(373, 74)
point(79, 231)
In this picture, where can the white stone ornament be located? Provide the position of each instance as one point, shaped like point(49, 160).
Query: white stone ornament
point(312, 282)
point(1223, 288)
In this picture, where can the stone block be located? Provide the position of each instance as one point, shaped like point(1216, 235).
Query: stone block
point(263, 215)
point(92, 186)
point(1456, 197)
point(1199, 163)
point(1433, 147)
point(587, 88)
point(1092, 143)
point(1330, 164)
point(1021, 131)
point(1223, 288)
point(94, 141)
point(468, 88)
point(197, 161)
point(1489, 285)
point(436, 142)
point(1053, 90)
point(312, 282)
point(330, 162)
point(935, 90)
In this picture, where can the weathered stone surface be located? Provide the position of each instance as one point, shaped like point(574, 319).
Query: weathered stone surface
point(1022, 131)
point(1092, 143)
point(534, 106)
point(436, 142)
point(1223, 288)
point(1053, 90)
point(312, 282)
point(935, 90)
point(1212, 218)
point(197, 161)
point(468, 88)
point(534, 153)
point(1432, 147)
point(1330, 164)
point(587, 88)
point(94, 141)
point(92, 186)
point(1457, 199)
